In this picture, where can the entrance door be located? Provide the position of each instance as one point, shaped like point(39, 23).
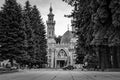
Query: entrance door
point(60, 63)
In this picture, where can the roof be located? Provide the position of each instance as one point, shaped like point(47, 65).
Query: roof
point(66, 38)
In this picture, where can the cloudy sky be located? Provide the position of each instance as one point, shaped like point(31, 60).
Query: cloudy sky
point(60, 8)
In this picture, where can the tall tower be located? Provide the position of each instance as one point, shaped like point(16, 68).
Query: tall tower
point(50, 38)
point(50, 24)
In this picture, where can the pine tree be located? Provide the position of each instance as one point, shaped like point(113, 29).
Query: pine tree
point(39, 36)
point(1, 58)
point(30, 49)
point(82, 22)
point(11, 31)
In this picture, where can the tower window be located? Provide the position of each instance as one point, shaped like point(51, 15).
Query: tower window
point(50, 19)
point(49, 33)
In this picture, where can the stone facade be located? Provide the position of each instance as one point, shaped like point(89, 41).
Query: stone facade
point(62, 54)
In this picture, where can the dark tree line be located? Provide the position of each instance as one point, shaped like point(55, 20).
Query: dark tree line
point(97, 27)
point(22, 34)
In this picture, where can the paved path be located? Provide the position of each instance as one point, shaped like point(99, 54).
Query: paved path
point(60, 75)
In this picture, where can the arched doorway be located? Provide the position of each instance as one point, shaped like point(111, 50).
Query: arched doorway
point(61, 60)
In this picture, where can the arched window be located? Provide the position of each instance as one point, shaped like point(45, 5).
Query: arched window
point(62, 54)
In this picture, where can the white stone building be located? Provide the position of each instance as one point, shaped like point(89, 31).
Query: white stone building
point(62, 54)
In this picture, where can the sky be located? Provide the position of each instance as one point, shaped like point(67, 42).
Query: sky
point(60, 9)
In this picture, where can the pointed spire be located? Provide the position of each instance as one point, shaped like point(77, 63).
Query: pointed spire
point(50, 4)
point(51, 7)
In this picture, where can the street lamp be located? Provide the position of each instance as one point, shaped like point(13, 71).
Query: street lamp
point(54, 58)
point(0, 55)
point(0, 46)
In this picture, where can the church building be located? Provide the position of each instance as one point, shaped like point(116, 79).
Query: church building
point(63, 53)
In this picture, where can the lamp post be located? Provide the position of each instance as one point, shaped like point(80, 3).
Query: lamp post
point(0, 55)
point(54, 58)
point(0, 47)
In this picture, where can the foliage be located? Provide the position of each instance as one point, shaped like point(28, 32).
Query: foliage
point(22, 34)
point(96, 23)
point(39, 36)
point(11, 31)
point(29, 32)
